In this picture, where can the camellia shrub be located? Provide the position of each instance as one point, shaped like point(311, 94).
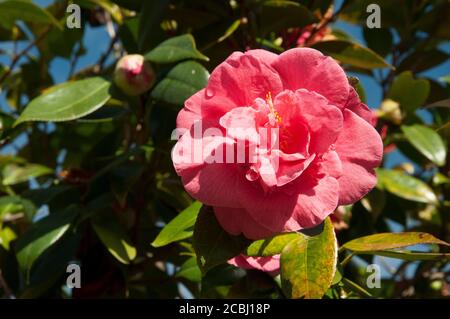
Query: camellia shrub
point(224, 149)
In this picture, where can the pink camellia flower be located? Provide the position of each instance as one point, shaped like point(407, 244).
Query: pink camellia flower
point(321, 148)
point(269, 264)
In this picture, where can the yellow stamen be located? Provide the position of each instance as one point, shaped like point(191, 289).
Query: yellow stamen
point(272, 108)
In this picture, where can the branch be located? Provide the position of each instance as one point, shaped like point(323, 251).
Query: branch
point(6, 289)
point(17, 57)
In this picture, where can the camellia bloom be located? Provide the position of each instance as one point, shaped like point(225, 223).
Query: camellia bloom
point(133, 75)
point(325, 152)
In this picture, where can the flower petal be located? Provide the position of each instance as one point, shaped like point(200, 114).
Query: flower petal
point(309, 69)
point(355, 105)
point(360, 149)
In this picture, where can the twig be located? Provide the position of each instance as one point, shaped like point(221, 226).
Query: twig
point(17, 57)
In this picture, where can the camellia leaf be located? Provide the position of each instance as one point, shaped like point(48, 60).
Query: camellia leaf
point(13, 10)
point(212, 244)
point(308, 264)
point(10, 205)
point(270, 246)
point(408, 255)
point(175, 49)
point(427, 142)
point(42, 235)
point(410, 93)
point(351, 53)
point(405, 186)
point(190, 271)
point(179, 228)
point(386, 241)
point(114, 237)
point(181, 82)
point(68, 101)
point(16, 174)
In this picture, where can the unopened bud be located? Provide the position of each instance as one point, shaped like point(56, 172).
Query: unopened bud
point(133, 75)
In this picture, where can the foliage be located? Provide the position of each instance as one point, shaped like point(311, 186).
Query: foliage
point(86, 174)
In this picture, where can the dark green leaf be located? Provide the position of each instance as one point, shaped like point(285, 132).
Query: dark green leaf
point(68, 101)
point(42, 235)
point(114, 237)
point(212, 244)
point(15, 174)
point(351, 53)
point(410, 93)
point(179, 228)
point(427, 142)
point(405, 186)
point(13, 10)
point(181, 82)
point(175, 49)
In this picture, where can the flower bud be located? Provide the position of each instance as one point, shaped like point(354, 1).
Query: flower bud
point(133, 75)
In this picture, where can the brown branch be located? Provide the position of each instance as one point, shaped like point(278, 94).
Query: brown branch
point(8, 292)
point(17, 57)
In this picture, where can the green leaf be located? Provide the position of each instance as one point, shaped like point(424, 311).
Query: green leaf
point(179, 228)
point(16, 174)
point(190, 271)
point(409, 255)
point(410, 93)
point(270, 246)
point(123, 178)
point(114, 237)
point(405, 186)
point(68, 101)
point(7, 235)
point(293, 15)
point(351, 53)
point(13, 10)
point(427, 142)
point(181, 82)
point(151, 15)
point(386, 241)
point(213, 245)
point(175, 49)
point(308, 264)
point(42, 235)
point(10, 205)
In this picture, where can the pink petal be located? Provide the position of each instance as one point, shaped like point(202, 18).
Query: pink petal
point(355, 105)
point(237, 221)
point(191, 111)
point(270, 264)
point(360, 149)
point(238, 81)
point(309, 69)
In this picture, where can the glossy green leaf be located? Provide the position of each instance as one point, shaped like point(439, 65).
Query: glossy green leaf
point(13, 10)
point(114, 237)
point(212, 244)
point(16, 174)
point(68, 101)
point(175, 49)
point(405, 186)
point(179, 228)
point(271, 246)
point(409, 92)
point(181, 82)
point(427, 142)
point(351, 53)
point(308, 264)
point(386, 241)
point(293, 15)
point(42, 235)
point(409, 255)
point(190, 271)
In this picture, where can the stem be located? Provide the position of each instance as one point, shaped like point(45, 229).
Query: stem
point(356, 288)
point(17, 57)
point(347, 259)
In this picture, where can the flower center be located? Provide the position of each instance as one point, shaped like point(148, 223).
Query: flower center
point(272, 110)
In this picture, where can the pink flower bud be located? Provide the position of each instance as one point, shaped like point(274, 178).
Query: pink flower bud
point(133, 75)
